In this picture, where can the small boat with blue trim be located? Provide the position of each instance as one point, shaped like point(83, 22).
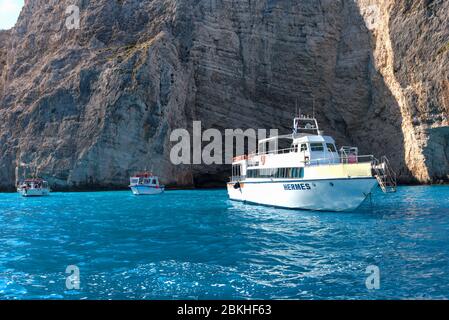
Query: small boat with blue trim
point(309, 174)
point(145, 184)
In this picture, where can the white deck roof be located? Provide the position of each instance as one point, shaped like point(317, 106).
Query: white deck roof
point(301, 138)
point(314, 138)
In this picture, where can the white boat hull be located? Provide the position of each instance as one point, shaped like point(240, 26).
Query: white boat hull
point(146, 190)
point(34, 192)
point(324, 195)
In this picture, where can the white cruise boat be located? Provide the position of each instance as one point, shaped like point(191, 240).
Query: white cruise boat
point(145, 184)
point(33, 188)
point(310, 174)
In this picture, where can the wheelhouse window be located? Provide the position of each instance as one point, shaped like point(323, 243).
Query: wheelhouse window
point(316, 147)
point(295, 148)
point(303, 147)
point(236, 170)
point(331, 147)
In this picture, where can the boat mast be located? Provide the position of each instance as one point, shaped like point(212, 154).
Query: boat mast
point(313, 106)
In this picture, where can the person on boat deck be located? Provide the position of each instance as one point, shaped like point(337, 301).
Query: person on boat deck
point(352, 158)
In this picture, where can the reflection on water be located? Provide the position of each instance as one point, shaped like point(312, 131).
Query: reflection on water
point(198, 244)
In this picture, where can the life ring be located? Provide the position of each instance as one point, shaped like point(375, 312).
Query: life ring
point(262, 159)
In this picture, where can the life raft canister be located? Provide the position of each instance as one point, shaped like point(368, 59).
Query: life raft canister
point(352, 158)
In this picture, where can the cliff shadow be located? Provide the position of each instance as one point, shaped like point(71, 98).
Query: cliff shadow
point(437, 154)
point(329, 55)
point(381, 129)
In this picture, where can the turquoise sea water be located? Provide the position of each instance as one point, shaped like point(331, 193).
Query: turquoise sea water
point(200, 245)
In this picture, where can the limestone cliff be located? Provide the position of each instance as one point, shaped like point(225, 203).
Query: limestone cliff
point(4, 40)
point(86, 107)
point(411, 53)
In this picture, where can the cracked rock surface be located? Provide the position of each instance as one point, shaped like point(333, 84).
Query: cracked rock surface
point(87, 107)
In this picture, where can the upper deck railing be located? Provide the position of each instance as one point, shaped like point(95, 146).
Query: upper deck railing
point(255, 154)
point(340, 160)
point(342, 157)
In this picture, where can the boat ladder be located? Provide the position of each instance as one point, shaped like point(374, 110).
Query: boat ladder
point(385, 175)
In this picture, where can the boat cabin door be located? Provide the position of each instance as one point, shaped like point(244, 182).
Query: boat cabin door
point(304, 152)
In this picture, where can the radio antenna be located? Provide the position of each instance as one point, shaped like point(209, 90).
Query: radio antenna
point(296, 106)
point(313, 106)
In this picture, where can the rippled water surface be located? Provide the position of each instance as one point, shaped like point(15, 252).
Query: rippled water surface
point(200, 245)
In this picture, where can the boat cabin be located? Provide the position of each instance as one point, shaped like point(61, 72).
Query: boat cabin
point(145, 179)
point(307, 144)
point(285, 156)
point(34, 184)
point(316, 149)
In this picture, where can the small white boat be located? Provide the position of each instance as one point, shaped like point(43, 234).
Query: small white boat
point(33, 188)
point(145, 184)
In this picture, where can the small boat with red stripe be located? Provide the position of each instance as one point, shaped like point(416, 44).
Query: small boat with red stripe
point(145, 183)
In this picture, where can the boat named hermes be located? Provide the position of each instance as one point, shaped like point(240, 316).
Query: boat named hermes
point(310, 173)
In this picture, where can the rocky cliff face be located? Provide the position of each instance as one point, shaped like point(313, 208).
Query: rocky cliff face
point(410, 46)
point(86, 107)
point(4, 41)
